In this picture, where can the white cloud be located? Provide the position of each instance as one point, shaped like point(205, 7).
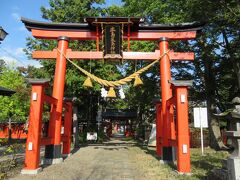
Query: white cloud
point(13, 52)
point(16, 16)
point(16, 57)
point(10, 61)
point(19, 52)
point(34, 63)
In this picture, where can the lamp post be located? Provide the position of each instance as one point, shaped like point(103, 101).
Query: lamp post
point(3, 34)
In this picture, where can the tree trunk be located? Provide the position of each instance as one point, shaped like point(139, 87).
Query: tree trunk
point(215, 140)
point(237, 69)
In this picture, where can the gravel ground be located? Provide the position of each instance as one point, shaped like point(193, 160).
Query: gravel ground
point(115, 160)
point(107, 161)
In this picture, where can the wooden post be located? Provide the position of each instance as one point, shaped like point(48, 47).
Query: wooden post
point(128, 36)
point(10, 129)
point(67, 129)
point(165, 74)
point(159, 129)
point(97, 37)
point(183, 150)
point(35, 128)
point(53, 152)
point(183, 139)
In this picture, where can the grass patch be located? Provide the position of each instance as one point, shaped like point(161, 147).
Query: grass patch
point(200, 165)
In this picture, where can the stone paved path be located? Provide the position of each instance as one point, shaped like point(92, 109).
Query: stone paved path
point(111, 161)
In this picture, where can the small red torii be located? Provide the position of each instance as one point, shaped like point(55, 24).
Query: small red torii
point(168, 133)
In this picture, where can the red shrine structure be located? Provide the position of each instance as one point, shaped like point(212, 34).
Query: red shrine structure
point(172, 111)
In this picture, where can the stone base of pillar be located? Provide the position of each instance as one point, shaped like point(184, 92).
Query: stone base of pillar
point(168, 154)
point(166, 162)
point(31, 171)
point(66, 155)
point(233, 166)
point(53, 154)
point(52, 161)
point(53, 151)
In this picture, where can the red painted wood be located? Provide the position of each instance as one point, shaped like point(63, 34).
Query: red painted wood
point(46, 141)
point(58, 93)
point(4, 131)
point(159, 129)
point(166, 92)
point(74, 35)
point(183, 139)
point(90, 35)
point(18, 131)
point(35, 129)
point(154, 36)
point(50, 100)
point(67, 128)
point(64, 138)
point(87, 55)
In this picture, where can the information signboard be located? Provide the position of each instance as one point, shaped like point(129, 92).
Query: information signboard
point(200, 120)
point(200, 116)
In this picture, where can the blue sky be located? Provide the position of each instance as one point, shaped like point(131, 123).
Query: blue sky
point(10, 14)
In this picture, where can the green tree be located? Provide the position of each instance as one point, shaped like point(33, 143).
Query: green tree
point(2, 65)
point(216, 67)
point(17, 105)
point(217, 56)
point(33, 72)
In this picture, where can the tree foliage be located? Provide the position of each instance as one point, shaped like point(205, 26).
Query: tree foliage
point(17, 105)
point(216, 67)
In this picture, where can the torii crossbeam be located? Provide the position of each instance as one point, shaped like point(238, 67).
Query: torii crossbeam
point(132, 29)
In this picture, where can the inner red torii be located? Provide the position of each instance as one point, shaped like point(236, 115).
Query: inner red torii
point(168, 134)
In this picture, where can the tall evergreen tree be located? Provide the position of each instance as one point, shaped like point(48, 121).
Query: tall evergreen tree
point(216, 66)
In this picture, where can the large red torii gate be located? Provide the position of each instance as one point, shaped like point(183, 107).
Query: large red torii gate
point(168, 134)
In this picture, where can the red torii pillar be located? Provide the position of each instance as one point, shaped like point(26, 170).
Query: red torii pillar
point(168, 153)
point(34, 137)
point(180, 100)
point(159, 127)
point(35, 128)
point(67, 128)
point(53, 152)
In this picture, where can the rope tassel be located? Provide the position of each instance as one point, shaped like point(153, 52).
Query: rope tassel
point(111, 93)
point(88, 83)
point(137, 81)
